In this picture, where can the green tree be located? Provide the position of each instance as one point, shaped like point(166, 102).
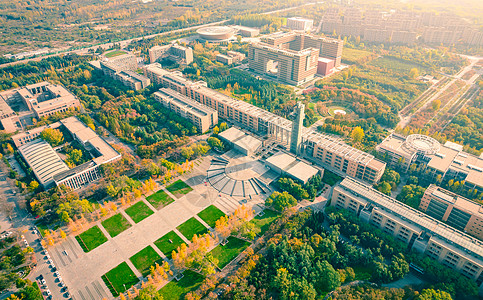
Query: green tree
point(328, 278)
point(75, 156)
point(431, 294)
point(34, 185)
point(281, 201)
point(52, 136)
point(384, 187)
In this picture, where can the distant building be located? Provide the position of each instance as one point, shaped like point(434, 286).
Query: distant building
point(173, 51)
point(125, 74)
point(126, 61)
point(232, 57)
point(422, 233)
point(298, 23)
point(288, 66)
point(201, 116)
point(458, 212)
point(448, 161)
point(248, 31)
point(21, 105)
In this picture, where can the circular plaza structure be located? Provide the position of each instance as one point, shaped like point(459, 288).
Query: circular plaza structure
point(216, 33)
point(422, 144)
point(239, 176)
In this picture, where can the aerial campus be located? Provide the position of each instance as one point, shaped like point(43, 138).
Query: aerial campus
point(276, 150)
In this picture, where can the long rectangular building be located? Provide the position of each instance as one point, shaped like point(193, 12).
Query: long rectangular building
point(329, 152)
point(201, 116)
point(422, 233)
point(459, 212)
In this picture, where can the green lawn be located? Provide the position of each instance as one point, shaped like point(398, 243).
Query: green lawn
point(178, 289)
point(166, 246)
point(116, 224)
point(263, 222)
point(144, 259)
point(119, 277)
point(192, 227)
point(114, 53)
point(91, 238)
point(159, 199)
point(179, 188)
point(210, 215)
point(227, 253)
point(363, 273)
point(396, 64)
point(139, 211)
point(354, 55)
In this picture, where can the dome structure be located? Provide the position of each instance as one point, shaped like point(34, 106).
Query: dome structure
point(422, 144)
point(216, 33)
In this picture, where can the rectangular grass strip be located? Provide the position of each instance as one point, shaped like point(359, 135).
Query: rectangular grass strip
point(179, 188)
point(91, 238)
point(144, 259)
point(116, 224)
point(263, 222)
point(192, 227)
point(178, 289)
point(139, 211)
point(169, 242)
point(210, 215)
point(225, 254)
point(120, 279)
point(159, 199)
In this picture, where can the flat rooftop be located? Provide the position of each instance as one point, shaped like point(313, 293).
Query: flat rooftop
point(452, 237)
point(184, 102)
point(241, 139)
point(292, 166)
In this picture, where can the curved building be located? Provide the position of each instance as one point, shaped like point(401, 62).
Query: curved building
point(216, 33)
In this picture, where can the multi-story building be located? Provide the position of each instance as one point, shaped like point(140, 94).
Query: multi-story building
point(133, 80)
point(458, 212)
point(125, 74)
point(127, 61)
point(34, 101)
point(48, 167)
point(328, 47)
point(231, 57)
point(200, 115)
point(420, 232)
point(447, 161)
point(298, 23)
point(288, 66)
point(248, 31)
point(324, 150)
point(173, 51)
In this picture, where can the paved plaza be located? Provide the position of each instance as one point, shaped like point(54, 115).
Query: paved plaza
point(82, 271)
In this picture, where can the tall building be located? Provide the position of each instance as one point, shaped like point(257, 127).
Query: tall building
point(422, 233)
point(458, 212)
point(298, 23)
point(288, 66)
point(20, 105)
point(297, 124)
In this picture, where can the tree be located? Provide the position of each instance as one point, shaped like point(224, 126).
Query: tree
point(216, 130)
point(34, 185)
point(357, 134)
point(431, 294)
point(75, 156)
point(52, 136)
point(187, 152)
point(215, 143)
point(281, 201)
point(411, 195)
point(413, 73)
point(384, 187)
point(328, 278)
point(436, 104)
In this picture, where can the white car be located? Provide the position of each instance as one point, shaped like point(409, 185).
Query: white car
point(50, 262)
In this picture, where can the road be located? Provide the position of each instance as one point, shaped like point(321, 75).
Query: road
point(126, 42)
point(428, 98)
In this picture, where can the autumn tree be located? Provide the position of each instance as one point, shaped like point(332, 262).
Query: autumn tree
point(357, 134)
point(52, 136)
